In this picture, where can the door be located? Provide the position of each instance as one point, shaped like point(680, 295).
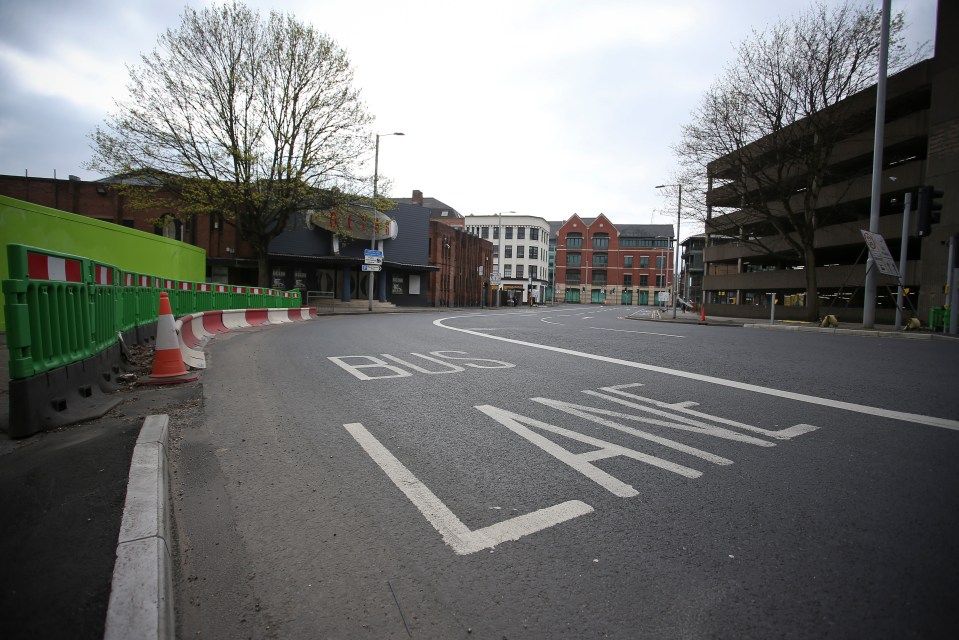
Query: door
point(644, 297)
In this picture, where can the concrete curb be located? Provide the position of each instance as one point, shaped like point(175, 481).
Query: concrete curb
point(876, 333)
point(141, 596)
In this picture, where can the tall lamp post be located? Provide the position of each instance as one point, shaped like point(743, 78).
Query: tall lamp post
point(661, 261)
point(376, 171)
point(679, 210)
point(555, 267)
point(499, 259)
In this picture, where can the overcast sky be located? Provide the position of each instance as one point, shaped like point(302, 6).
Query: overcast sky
point(543, 107)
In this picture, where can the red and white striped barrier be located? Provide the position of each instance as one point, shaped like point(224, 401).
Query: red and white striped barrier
point(43, 267)
point(195, 328)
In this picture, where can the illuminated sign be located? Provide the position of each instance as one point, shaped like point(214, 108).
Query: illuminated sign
point(354, 223)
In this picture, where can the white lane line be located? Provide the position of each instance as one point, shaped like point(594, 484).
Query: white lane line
point(916, 418)
point(457, 535)
point(649, 333)
point(550, 322)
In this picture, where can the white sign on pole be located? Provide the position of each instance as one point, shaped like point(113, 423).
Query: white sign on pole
point(372, 267)
point(880, 253)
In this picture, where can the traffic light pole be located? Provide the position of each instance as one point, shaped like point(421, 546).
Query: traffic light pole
point(951, 278)
point(903, 251)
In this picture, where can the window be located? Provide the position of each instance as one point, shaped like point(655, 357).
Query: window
point(495, 250)
point(599, 278)
point(644, 262)
point(509, 232)
point(601, 241)
point(627, 279)
point(495, 233)
point(628, 262)
point(574, 241)
point(508, 271)
point(520, 250)
point(534, 234)
point(660, 262)
point(660, 281)
point(519, 271)
point(644, 242)
point(509, 251)
point(533, 252)
point(532, 271)
point(643, 280)
point(600, 259)
point(169, 227)
point(520, 233)
point(485, 233)
point(572, 277)
point(574, 260)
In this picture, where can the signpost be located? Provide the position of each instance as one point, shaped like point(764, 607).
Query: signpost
point(372, 256)
point(372, 267)
point(880, 253)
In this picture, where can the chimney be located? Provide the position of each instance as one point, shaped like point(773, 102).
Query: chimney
point(417, 197)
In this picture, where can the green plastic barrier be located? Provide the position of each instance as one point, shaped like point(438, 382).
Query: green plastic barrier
point(62, 308)
point(47, 310)
point(938, 318)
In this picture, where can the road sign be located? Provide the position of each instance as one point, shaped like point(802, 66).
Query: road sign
point(494, 277)
point(372, 267)
point(880, 253)
point(372, 256)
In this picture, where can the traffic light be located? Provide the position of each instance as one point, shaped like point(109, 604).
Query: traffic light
point(930, 210)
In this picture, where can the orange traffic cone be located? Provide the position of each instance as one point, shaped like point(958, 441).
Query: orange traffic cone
point(167, 360)
point(702, 318)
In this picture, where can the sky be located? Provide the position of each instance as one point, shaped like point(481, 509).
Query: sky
point(542, 107)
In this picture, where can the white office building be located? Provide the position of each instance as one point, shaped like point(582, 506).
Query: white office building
point(520, 254)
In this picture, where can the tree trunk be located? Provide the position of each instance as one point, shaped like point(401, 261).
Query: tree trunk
point(263, 271)
point(812, 287)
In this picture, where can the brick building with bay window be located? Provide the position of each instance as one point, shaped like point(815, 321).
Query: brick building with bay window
point(600, 262)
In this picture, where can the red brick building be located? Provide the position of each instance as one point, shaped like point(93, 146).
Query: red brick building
point(600, 262)
point(229, 259)
point(465, 261)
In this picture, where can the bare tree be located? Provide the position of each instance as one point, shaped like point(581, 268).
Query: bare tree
point(765, 130)
point(253, 118)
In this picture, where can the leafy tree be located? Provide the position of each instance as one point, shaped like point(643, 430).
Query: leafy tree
point(765, 130)
point(255, 118)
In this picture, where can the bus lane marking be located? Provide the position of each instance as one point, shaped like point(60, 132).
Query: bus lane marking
point(581, 462)
point(932, 421)
point(455, 534)
point(683, 407)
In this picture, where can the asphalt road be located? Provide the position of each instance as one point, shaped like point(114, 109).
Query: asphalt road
point(567, 473)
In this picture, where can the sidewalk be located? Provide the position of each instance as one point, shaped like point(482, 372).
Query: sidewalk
point(62, 495)
point(843, 328)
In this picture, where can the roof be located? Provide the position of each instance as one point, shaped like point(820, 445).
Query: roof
point(645, 230)
point(436, 207)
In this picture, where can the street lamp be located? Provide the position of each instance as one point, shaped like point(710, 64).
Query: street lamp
point(679, 209)
point(376, 171)
point(555, 267)
point(499, 259)
point(661, 261)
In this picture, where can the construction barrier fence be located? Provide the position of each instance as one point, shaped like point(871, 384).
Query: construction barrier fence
point(63, 308)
